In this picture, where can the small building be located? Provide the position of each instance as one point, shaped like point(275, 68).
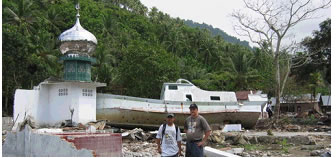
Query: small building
point(325, 104)
point(298, 104)
point(252, 96)
point(72, 98)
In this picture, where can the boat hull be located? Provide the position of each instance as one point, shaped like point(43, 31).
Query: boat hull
point(155, 119)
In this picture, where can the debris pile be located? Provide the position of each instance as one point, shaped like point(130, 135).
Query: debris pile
point(292, 123)
point(140, 149)
point(260, 144)
point(138, 134)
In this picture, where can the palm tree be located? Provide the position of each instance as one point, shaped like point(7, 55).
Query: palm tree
point(240, 66)
point(105, 62)
point(109, 23)
point(54, 20)
point(21, 16)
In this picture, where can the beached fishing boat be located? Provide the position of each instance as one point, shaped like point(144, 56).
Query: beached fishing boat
point(217, 107)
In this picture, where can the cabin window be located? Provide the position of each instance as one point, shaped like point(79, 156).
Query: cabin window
point(172, 87)
point(63, 92)
point(214, 97)
point(189, 98)
point(87, 92)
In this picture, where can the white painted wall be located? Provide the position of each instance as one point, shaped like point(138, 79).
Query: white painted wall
point(42, 106)
point(87, 105)
point(198, 95)
point(25, 102)
point(59, 105)
point(48, 108)
point(84, 106)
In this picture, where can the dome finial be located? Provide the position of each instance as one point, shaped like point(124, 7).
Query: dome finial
point(77, 8)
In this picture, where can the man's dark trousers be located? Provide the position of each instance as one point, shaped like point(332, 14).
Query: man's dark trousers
point(192, 150)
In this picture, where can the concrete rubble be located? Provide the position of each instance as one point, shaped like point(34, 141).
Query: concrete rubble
point(295, 141)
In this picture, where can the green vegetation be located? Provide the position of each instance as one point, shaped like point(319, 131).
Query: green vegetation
point(269, 132)
point(284, 145)
point(217, 32)
point(138, 50)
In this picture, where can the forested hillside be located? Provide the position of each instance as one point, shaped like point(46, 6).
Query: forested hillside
point(138, 49)
point(217, 32)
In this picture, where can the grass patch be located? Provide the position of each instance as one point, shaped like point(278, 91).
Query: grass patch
point(284, 145)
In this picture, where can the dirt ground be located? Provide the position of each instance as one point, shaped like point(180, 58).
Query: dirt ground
point(284, 138)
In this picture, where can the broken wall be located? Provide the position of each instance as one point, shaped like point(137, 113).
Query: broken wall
point(25, 103)
point(28, 144)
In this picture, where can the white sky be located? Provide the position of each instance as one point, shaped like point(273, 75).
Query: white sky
point(217, 13)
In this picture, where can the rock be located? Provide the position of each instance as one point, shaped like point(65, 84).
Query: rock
point(229, 135)
point(266, 139)
point(253, 140)
point(269, 153)
point(312, 147)
point(4, 132)
point(315, 153)
point(217, 137)
point(239, 139)
point(300, 140)
point(246, 155)
point(293, 128)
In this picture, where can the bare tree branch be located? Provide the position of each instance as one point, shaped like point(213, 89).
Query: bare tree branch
point(270, 26)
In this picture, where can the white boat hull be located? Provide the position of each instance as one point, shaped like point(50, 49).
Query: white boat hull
point(140, 111)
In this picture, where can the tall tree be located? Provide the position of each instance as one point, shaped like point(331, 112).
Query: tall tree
point(319, 48)
point(270, 22)
point(21, 15)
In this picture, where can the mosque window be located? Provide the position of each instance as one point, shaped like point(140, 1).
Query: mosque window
point(87, 92)
point(63, 92)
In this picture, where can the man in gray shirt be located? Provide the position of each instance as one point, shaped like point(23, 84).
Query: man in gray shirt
point(195, 126)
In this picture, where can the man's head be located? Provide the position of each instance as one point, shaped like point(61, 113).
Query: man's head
point(170, 119)
point(193, 110)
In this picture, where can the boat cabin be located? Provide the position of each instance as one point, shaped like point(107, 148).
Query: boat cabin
point(184, 90)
